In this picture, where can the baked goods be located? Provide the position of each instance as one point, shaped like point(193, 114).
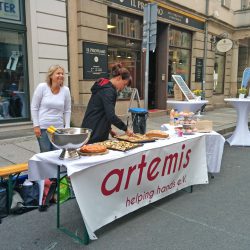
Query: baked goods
point(93, 148)
point(134, 138)
point(157, 134)
point(119, 145)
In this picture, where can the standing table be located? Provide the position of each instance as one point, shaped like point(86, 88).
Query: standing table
point(188, 106)
point(241, 134)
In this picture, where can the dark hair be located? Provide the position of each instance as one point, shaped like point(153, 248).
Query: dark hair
point(118, 70)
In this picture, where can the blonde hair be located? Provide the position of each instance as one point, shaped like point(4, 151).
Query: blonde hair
point(51, 71)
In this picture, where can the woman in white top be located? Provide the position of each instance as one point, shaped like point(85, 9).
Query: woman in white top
point(51, 105)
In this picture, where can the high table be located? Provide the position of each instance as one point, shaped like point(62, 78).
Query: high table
point(241, 134)
point(188, 106)
point(110, 186)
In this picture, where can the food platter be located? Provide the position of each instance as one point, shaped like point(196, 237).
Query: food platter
point(120, 145)
point(92, 153)
point(136, 138)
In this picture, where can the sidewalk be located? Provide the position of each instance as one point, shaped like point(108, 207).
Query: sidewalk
point(24, 145)
point(214, 216)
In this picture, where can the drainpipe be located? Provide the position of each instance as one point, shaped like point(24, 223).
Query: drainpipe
point(203, 85)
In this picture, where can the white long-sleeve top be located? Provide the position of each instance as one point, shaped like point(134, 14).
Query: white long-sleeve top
point(51, 109)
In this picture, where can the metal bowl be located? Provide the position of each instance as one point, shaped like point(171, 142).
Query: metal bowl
point(69, 140)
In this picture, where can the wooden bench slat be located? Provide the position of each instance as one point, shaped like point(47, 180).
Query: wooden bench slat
point(13, 169)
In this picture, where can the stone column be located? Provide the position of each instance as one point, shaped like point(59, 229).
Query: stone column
point(73, 50)
point(234, 69)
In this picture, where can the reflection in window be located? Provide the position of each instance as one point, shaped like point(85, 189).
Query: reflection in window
point(129, 60)
point(179, 38)
point(179, 57)
point(126, 49)
point(124, 25)
point(218, 74)
point(13, 95)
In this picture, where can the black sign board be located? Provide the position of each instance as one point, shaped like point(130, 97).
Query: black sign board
point(199, 70)
point(95, 61)
point(184, 88)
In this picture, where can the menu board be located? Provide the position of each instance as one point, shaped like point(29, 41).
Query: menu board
point(199, 70)
point(184, 88)
point(95, 61)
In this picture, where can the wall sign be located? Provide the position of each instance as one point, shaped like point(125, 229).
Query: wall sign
point(164, 12)
point(10, 11)
point(199, 70)
point(184, 88)
point(95, 61)
point(224, 45)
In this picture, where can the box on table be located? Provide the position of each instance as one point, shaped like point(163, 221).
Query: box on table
point(205, 126)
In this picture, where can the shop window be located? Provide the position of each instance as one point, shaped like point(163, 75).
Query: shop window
point(244, 54)
point(179, 57)
point(124, 46)
point(226, 3)
point(218, 74)
point(13, 82)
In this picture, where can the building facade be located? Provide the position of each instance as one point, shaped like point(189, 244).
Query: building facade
point(88, 36)
point(187, 41)
point(33, 36)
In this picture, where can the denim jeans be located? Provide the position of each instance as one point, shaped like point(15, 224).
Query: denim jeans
point(44, 142)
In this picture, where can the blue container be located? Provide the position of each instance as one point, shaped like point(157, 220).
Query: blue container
point(139, 119)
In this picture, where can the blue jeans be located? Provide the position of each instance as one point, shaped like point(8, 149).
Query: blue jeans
point(44, 142)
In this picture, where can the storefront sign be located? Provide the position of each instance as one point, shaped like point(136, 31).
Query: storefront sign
point(224, 45)
point(95, 61)
point(10, 11)
point(163, 12)
point(198, 70)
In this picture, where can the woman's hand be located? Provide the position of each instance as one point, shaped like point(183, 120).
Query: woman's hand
point(129, 132)
point(37, 131)
point(113, 133)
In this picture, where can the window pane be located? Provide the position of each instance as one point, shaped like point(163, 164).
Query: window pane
point(219, 67)
point(129, 60)
point(124, 25)
point(13, 88)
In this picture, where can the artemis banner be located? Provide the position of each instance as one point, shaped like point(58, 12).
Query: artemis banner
point(110, 190)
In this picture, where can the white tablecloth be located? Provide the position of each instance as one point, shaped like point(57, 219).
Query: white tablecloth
point(187, 106)
point(110, 186)
point(241, 134)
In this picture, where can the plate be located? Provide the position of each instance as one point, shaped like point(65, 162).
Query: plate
point(92, 154)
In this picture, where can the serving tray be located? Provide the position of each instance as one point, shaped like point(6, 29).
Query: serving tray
point(120, 145)
point(138, 138)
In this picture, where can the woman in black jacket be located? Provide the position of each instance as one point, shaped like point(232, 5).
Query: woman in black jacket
point(100, 113)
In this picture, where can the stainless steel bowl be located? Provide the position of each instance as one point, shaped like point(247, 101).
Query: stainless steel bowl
point(69, 140)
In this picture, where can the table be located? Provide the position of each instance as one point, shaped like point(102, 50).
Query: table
point(110, 186)
point(241, 134)
point(188, 106)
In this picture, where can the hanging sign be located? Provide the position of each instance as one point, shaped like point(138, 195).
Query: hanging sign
point(224, 45)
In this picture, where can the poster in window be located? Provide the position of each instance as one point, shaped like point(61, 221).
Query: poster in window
point(95, 61)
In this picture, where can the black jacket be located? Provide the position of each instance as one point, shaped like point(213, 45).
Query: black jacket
point(100, 113)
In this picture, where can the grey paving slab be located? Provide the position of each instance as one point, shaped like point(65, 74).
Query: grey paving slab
point(30, 145)
point(15, 154)
point(4, 162)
